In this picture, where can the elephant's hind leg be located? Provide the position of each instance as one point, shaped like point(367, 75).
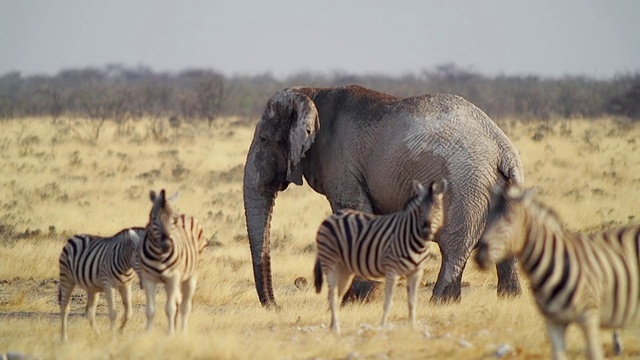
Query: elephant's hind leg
point(448, 287)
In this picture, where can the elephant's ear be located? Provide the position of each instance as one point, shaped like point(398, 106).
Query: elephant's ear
point(302, 132)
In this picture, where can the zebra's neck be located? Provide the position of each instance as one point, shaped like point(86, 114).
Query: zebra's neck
point(154, 244)
point(414, 216)
point(543, 244)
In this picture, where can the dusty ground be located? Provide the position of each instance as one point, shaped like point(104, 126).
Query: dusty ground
point(57, 179)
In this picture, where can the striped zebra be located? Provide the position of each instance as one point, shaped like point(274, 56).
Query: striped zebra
point(592, 280)
point(98, 264)
point(169, 254)
point(379, 246)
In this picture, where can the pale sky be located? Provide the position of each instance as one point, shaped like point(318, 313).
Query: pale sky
point(542, 37)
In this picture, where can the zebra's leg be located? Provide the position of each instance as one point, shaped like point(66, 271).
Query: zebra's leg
point(125, 294)
point(90, 311)
point(332, 283)
point(391, 279)
point(591, 326)
point(150, 291)
point(110, 294)
point(413, 281)
point(556, 335)
point(174, 297)
point(508, 283)
point(617, 343)
point(188, 288)
point(64, 293)
point(345, 278)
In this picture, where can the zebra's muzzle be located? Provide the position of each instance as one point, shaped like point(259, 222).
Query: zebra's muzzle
point(165, 244)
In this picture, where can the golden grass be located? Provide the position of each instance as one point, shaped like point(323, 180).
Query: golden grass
point(57, 179)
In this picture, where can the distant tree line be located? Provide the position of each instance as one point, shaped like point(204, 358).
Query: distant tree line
point(121, 93)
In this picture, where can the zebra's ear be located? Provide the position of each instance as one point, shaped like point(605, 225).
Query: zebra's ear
point(417, 187)
point(518, 194)
point(528, 195)
point(513, 193)
point(152, 196)
point(174, 198)
point(439, 187)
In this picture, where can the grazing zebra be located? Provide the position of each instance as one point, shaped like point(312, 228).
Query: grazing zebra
point(98, 264)
point(169, 254)
point(379, 246)
point(592, 280)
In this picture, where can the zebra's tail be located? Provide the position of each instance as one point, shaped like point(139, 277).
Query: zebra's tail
point(317, 278)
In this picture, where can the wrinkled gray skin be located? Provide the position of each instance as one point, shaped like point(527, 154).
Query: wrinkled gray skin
point(362, 149)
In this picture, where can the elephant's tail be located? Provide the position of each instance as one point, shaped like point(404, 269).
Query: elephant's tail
point(512, 169)
point(317, 278)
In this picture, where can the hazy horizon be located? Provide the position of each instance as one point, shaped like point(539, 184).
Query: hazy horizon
point(284, 37)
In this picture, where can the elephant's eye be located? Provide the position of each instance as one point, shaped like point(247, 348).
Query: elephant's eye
point(263, 138)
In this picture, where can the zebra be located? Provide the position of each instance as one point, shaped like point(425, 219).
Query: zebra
point(592, 280)
point(169, 254)
point(98, 264)
point(353, 243)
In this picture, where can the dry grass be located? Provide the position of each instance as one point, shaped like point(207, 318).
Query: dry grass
point(56, 180)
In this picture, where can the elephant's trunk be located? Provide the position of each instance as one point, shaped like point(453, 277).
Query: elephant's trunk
point(258, 208)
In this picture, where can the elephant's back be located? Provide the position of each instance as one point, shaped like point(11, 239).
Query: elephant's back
point(442, 107)
point(440, 136)
point(449, 124)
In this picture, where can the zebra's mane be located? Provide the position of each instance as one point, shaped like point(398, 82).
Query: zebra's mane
point(502, 205)
point(547, 215)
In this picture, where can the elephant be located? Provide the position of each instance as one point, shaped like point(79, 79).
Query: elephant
point(362, 149)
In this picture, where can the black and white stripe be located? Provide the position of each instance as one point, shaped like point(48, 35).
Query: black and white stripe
point(98, 264)
point(373, 246)
point(169, 254)
point(592, 280)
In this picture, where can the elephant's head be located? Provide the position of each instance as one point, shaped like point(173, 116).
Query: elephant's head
point(284, 133)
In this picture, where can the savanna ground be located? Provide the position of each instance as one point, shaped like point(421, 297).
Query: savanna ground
point(58, 180)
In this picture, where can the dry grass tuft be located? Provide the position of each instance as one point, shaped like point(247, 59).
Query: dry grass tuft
point(58, 180)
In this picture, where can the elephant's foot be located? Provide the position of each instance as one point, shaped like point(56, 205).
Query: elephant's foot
point(450, 294)
point(363, 290)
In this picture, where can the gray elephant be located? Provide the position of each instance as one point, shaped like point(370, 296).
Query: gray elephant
point(362, 149)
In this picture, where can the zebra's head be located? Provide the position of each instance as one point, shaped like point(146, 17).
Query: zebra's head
point(162, 219)
point(504, 225)
point(430, 208)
